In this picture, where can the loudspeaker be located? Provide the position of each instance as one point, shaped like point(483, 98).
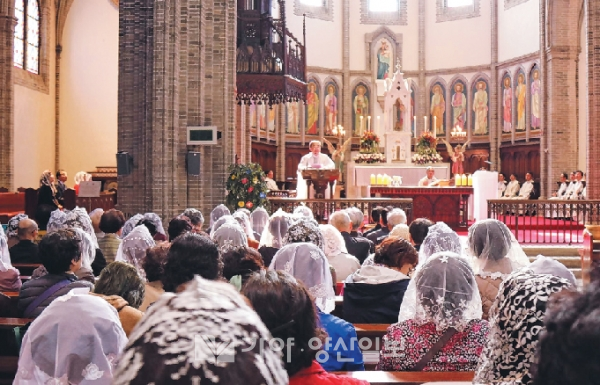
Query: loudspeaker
point(193, 163)
point(124, 163)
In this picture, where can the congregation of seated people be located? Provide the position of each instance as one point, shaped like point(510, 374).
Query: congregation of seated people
point(147, 299)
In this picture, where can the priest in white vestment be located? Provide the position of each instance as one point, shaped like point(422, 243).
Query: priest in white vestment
point(526, 188)
point(562, 190)
point(315, 160)
point(512, 188)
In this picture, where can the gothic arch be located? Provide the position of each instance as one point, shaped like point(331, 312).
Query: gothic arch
point(374, 37)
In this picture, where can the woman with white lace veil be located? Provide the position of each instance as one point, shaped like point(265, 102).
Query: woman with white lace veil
point(155, 220)
point(53, 351)
point(448, 310)
point(217, 213)
point(271, 239)
point(13, 228)
point(244, 221)
point(337, 253)
point(9, 276)
point(131, 224)
point(304, 230)
point(308, 263)
point(303, 211)
point(259, 219)
point(516, 322)
point(229, 236)
point(133, 248)
point(494, 256)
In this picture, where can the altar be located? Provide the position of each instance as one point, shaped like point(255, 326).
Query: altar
point(359, 175)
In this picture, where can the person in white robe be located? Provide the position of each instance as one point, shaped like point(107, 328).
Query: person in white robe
point(501, 184)
point(577, 187)
point(313, 160)
point(429, 180)
point(271, 184)
point(512, 188)
point(526, 188)
point(562, 189)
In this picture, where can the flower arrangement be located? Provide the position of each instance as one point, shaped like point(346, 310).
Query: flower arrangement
point(426, 150)
point(369, 158)
point(369, 143)
point(246, 187)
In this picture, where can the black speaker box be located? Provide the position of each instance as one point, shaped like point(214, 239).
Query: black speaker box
point(193, 163)
point(124, 163)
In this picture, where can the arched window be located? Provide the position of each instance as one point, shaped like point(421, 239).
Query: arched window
point(458, 3)
point(27, 35)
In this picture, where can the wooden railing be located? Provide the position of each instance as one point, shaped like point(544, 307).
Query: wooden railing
point(322, 208)
point(546, 221)
point(590, 258)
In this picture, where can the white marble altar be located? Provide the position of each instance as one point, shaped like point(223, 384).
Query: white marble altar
point(485, 186)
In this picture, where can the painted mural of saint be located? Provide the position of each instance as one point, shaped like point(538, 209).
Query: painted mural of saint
point(507, 106)
point(438, 107)
point(331, 110)
point(271, 119)
point(293, 118)
point(535, 100)
point(361, 108)
point(312, 104)
point(384, 60)
point(521, 95)
point(480, 107)
point(262, 115)
point(459, 107)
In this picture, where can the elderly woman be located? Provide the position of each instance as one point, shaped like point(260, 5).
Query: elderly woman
point(196, 219)
point(516, 321)
point(374, 293)
point(239, 263)
point(133, 248)
point(304, 230)
point(337, 254)
point(308, 263)
point(54, 350)
point(259, 219)
point(217, 213)
point(47, 194)
point(271, 239)
point(495, 256)
point(444, 331)
point(175, 342)
point(9, 276)
point(229, 236)
point(13, 229)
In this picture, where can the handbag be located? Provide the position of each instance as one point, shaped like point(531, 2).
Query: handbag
point(434, 349)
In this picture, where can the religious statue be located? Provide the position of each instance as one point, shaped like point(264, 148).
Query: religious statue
point(457, 155)
point(399, 118)
point(337, 155)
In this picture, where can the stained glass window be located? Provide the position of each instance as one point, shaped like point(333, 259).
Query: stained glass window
point(458, 3)
point(27, 35)
point(383, 5)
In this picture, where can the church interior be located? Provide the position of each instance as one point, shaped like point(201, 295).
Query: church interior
point(159, 100)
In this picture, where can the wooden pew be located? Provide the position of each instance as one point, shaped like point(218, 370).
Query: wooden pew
point(11, 204)
point(338, 311)
point(8, 369)
point(410, 378)
point(26, 268)
point(370, 337)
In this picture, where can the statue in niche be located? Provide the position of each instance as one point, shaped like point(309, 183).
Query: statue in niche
point(384, 60)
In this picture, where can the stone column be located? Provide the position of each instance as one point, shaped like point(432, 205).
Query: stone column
point(7, 32)
point(593, 121)
point(493, 126)
point(423, 91)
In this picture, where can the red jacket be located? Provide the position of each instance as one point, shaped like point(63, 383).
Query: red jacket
point(316, 375)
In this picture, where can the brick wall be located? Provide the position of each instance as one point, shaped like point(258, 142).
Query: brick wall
point(593, 154)
point(7, 27)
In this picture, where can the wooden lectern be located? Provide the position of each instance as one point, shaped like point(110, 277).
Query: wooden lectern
point(320, 179)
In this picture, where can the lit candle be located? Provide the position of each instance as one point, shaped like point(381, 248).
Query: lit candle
point(378, 124)
point(373, 179)
point(463, 181)
point(457, 179)
point(470, 180)
point(379, 179)
point(369, 123)
point(360, 129)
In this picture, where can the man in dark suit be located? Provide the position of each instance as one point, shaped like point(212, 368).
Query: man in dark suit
point(26, 251)
point(418, 230)
point(357, 246)
point(375, 218)
point(383, 230)
point(394, 217)
point(61, 187)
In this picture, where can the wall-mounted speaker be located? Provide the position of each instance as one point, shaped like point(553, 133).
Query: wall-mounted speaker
point(193, 163)
point(124, 163)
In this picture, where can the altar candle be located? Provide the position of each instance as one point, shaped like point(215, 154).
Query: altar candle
point(457, 180)
point(463, 181)
point(373, 179)
point(415, 125)
point(369, 123)
point(379, 179)
point(470, 180)
point(425, 120)
point(378, 127)
point(361, 124)
point(435, 126)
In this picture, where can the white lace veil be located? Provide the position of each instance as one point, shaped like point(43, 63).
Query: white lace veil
point(78, 217)
point(76, 340)
point(88, 250)
point(303, 211)
point(334, 242)
point(217, 213)
point(272, 235)
point(13, 225)
point(156, 221)
point(259, 219)
point(446, 293)
point(308, 263)
point(221, 221)
point(493, 251)
point(133, 248)
point(57, 221)
point(440, 237)
point(130, 224)
point(545, 265)
point(244, 221)
point(76, 221)
point(5, 264)
point(229, 236)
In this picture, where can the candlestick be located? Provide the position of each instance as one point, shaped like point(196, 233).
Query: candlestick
point(378, 124)
point(360, 130)
point(369, 123)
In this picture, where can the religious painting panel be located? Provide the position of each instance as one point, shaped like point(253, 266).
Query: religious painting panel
point(413, 111)
point(520, 99)
point(535, 97)
point(312, 107)
point(360, 108)
point(480, 113)
point(331, 106)
point(271, 113)
point(438, 108)
point(252, 118)
point(507, 104)
point(293, 118)
point(458, 104)
point(384, 59)
point(261, 112)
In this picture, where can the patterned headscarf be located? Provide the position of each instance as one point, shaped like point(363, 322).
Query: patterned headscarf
point(175, 341)
point(133, 248)
point(516, 320)
point(45, 179)
point(440, 237)
point(76, 340)
point(229, 236)
point(217, 213)
point(13, 225)
point(78, 217)
point(130, 224)
point(304, 230)
point(308, 263)
point(334, 242)
point(5, 264)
